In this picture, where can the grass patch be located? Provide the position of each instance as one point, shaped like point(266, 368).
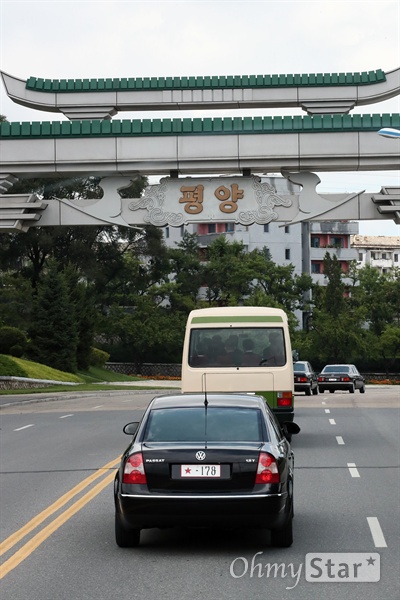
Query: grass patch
point(87, 381)
point(20, 367)
point(9, 368)
point(85, 387)
point(38, 371)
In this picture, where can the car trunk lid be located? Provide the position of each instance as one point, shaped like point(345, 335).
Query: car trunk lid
point(197, 467)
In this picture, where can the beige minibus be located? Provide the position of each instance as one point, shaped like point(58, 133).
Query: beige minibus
point(240, 349)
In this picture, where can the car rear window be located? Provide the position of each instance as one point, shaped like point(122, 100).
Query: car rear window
point(217, 424)
point(299, 368)
point(336, 369)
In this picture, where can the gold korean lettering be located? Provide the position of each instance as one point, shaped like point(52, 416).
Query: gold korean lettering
point(228, 198)
point(192, 195)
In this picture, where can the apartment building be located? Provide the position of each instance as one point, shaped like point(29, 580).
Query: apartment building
point(382, 252)
point(333, 237)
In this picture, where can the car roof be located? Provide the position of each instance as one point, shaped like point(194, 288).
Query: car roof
point(339, 365)
point(194, 400)
point(300, 362)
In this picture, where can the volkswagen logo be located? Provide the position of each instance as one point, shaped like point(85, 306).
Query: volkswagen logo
point(200, 455)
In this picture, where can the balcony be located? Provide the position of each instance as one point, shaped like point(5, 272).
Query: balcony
point(206, 239)
point(341, 253)
point(339, 227)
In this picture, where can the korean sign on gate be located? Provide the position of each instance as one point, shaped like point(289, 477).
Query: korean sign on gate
point(179, 201)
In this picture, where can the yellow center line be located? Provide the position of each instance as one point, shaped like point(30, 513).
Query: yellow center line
point(13, 539)
point(44, 533)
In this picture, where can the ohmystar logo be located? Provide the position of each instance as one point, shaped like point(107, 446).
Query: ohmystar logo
point(200, 455)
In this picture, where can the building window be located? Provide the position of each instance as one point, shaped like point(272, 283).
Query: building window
point(211, 228)
point(315, 242)
point(266, 228)
point(395, 258)
point(287, 254)
point(337, 242)
point(360, 257)
point(373, 255)
point(182, 230)
point(286, 228)
point(229, 226)
point(384, 256)
point(315, 268)
point(167, 232)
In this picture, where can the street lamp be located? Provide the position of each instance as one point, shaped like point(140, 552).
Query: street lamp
point(389, 132)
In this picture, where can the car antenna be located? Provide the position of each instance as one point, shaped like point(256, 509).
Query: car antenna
point(205, 408)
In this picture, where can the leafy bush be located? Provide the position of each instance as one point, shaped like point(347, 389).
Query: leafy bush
point(13, 341)
point(98, 358)
point(9, 368)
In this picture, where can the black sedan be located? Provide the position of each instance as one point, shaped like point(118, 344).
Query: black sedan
point(215, 461)
point(305, 378)
point(341, 377)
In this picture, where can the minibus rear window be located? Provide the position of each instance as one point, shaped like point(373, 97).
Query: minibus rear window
point(237, 347)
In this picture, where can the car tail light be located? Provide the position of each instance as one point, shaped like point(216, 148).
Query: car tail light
point(134, 469)
point(346, 379)
point(302, 379)
point(285, 398)
point(321, 379)
point(267, 469)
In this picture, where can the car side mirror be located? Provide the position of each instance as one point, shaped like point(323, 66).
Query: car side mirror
point(131, 428)
point(290, 428)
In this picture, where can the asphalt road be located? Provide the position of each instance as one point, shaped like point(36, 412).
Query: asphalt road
point(57, 462)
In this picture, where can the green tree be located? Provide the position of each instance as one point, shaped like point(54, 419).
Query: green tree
point(379, 294)
point(334, 301)
point(227, 273)
point(95, 250)
point(53, 331)
point(149, 333)
point(389, 347)
point(280, 285)
point(187, 272)
point(337, 333)
point(16, 299)
point(82, 299)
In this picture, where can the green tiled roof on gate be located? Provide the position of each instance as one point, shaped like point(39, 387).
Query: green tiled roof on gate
point(204, 82)
point(196, 126)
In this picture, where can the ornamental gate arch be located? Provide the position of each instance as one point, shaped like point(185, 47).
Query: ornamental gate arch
point(183, 151)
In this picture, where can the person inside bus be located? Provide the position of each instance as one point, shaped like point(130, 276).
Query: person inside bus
point(200, 358)
point(250, 358)
point(232, 357)
point(215, 349)
point(274, 354)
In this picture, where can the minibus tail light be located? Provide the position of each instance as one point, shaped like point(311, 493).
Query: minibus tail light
point(285, 398)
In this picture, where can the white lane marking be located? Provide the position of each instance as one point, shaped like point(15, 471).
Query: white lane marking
point(24, 427)
point(377, 533)
point(353, 471)
point(323, 402)
point(332, 421)
point(99, 406)
point(66, 416)
point(327, 410)
point(339, 440)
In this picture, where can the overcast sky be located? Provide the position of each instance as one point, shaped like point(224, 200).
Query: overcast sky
point(88, 39)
